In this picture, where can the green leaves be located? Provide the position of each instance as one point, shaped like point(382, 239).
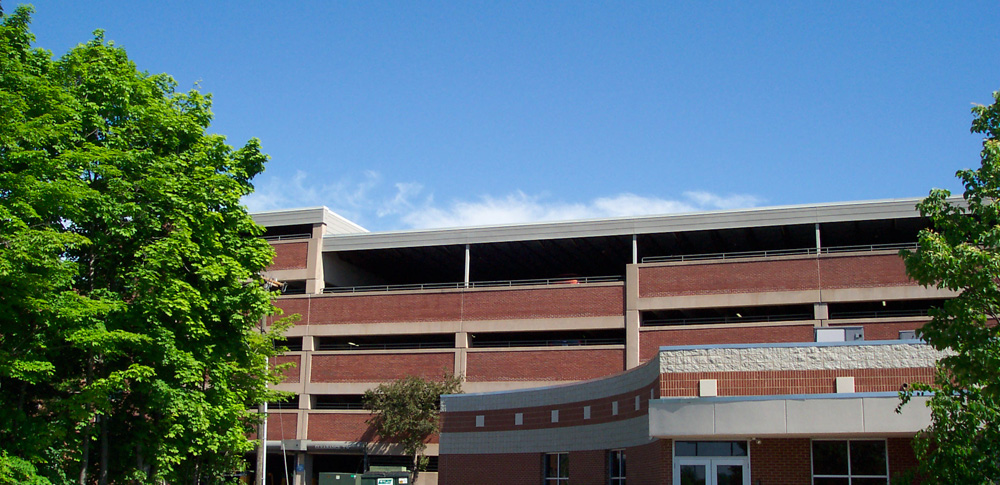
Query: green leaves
point(962, 253)
point(406, 411)
point(132, 299)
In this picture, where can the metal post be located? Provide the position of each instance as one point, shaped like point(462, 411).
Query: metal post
point(467, 265)
point(262, 450)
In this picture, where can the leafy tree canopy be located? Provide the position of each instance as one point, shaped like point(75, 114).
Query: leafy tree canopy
point(406, 411)
point(962, 253)
point(130, 343)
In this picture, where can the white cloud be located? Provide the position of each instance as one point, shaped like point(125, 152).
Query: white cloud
point(520, 207)
point(405, 205)
point(405, 191)
point(351, 197)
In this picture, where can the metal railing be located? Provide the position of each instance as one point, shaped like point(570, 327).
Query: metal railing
point(287, 237)
point(779, 252)
point(338, 406)
point(385, 346)
point(547, 343)
point(572, 280)
point(919, 312)
point(727, 319)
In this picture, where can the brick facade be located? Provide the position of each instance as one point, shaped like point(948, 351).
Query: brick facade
point(651, 463)
point(901, 457)
point(293, 371)
point(290, 255)
point(563, 364)
point(380, 367)
point(501, 469)
point(565, 301)
point(792, 274)
point(282, 425)
point(340, 427)
point(781, 461)
point(792, 382)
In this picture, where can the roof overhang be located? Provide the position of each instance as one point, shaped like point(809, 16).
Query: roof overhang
point(803, 415)
point(622, 226)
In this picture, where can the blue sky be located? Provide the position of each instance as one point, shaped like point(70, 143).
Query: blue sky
point(404, 115)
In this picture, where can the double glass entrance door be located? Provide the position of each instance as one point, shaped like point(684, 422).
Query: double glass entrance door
point(711, 471)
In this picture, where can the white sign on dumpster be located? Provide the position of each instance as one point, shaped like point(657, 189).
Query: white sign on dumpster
point(383, 481)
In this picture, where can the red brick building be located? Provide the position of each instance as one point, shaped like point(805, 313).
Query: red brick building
point(527, 306)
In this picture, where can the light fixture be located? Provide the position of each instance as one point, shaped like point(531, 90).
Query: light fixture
point(883, 302)
point(738, 315)
point(352, 344)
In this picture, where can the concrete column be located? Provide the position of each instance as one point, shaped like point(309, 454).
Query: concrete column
point(468, 263)
point(302, 469)
point(821, 312)
point(461, 353)
point(631, 316)
point(314, 264)
point(819, 246)
point(308, 346)
point(308, 343)
point(635, 249)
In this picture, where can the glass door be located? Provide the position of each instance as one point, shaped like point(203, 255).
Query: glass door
point(711, 471)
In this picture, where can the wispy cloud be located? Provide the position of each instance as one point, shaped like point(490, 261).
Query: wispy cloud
point(408, 205)
point(350, 196)
point(521, 207)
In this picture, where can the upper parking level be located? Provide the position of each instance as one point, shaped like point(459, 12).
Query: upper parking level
point(340, 256)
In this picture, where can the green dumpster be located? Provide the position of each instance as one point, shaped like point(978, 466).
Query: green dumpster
point(386, 478)
point(339, 478)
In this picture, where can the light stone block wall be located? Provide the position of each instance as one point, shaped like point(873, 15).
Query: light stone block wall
point(798, 357)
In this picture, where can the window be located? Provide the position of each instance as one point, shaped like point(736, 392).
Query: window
point(616, 467)
point(853, 462)
point(710, 448)
point(556, 468)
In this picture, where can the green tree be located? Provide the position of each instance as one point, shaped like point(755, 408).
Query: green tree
point(962, 253)
point(131, 345)
point(407, 411)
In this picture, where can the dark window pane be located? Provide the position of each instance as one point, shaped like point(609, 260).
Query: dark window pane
point(829, 458)
point(551, 466)
point(868, 458)
point(685, 448)
point(729, 475)
point(616, 463)
point(715, 448)
point(563, 465)
point(739, 448)
point(693, 474)
point(869, 481)
point(830, 481)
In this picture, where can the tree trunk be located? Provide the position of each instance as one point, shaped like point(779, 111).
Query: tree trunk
point(86, 430)
point(86, 455)
point(104, 450)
